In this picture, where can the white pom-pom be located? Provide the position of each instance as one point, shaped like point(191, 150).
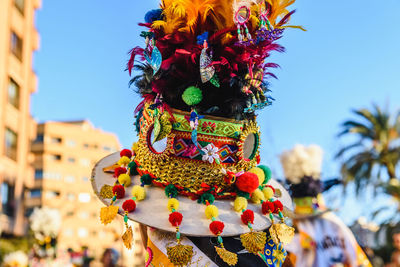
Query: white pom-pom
point(302, 161)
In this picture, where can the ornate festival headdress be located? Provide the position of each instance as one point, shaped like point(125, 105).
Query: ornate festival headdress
point(202, 77)
point(302, 169)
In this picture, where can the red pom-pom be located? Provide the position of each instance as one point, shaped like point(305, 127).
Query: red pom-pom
point(119, 190)
point(129, 205)
point(118, 171)
point(247, 217)
point(175, 218)
point(278, 206)
point(247, 182)
point(273, 189)
point(267, 207)
point(126, 153)
point(217, 227)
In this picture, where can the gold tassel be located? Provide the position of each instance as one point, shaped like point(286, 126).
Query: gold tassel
point(254, 242)
point(281, 232)
point(127, 238)
point(106, 191)
point(107, 214)
point(228, 257)
point(180, 254)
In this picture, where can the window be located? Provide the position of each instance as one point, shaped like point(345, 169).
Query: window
point(56, 140)
point(68, 232)
point(84, 197)
point(84, 215)
point(106, 148)
point(35, 193)
point(71, 196)
point(11, 144)
point(71, 160)
point(28, 212)
point(38, 174)
point(16, 45)
point(51, 194)
point(39, 138)
point(20, 4)
point(55, 157)
point(82, 232)
point(69, 179)
point(13, 93)
point(71, 143)
point(86, 146)
point(85, 162)
point(85, 179)
point(7, 199)
point(70, 213)
point(52, 176)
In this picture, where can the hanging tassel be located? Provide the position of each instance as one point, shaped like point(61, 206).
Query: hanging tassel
point(129, 205)
point(217, 227)
point(178, 254)
point(107, 214)
point(254, 241)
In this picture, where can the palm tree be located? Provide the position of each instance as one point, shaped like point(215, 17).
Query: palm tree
point(376, 148)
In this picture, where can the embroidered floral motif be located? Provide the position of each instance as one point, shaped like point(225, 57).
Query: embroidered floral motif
point(208, 127)
point(210, 153)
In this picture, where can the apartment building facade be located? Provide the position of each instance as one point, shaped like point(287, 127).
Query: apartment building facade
point(18, 40)
point(65, 153)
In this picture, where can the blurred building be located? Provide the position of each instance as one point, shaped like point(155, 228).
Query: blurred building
point(366, 233)
point(18, 40)
point(65, 153)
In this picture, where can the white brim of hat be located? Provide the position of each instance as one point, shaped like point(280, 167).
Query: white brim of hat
point(152, 211)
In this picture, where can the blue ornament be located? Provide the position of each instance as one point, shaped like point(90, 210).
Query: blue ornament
point(274, 255)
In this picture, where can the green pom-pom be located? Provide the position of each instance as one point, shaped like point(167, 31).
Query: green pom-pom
point(206, 196)
point(267, 173)
point(171, 191)
point(243, 194)
point(192, 96)
point(146, 179)
point(133, 168)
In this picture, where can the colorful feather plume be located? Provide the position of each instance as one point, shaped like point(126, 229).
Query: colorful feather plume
point(176, 32)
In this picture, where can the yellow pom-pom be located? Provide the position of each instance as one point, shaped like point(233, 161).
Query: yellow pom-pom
point(173, 204)
point(123, 161)
point(138, 192)
point(211, 211)
point(240, 204)
point(257, 196)
point(124, 179)
point(260, 174)
point(135, 147)
point(268, 192)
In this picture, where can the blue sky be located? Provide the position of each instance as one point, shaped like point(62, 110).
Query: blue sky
point(348, 58)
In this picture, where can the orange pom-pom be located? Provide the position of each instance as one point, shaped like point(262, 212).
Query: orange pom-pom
point(247, 182)
point(175, 218)
point(119, 190)
point(247, 217)
point(129, 205)
point(217, 227)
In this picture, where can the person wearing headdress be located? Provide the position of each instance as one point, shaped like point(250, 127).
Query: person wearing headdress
point(194, 175)
point(321, 238)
